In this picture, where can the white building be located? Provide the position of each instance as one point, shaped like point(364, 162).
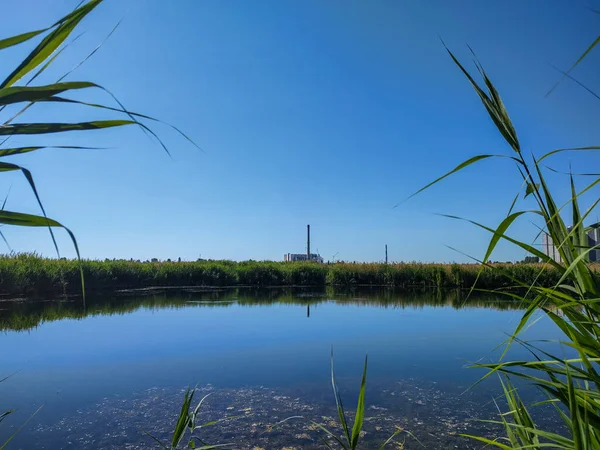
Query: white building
point(549, 249)
point(593, 234)
point(291, 257)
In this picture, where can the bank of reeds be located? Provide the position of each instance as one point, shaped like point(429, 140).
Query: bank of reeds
point(31, 275)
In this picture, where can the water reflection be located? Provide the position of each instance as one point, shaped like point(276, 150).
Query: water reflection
point(118, 366)
point(25, 315)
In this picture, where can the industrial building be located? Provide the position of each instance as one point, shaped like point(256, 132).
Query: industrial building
point(308, 256)
point(289, 257)
point(549, 249)
point(593, 234)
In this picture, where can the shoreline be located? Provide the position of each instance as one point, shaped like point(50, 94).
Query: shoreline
point(28, 276)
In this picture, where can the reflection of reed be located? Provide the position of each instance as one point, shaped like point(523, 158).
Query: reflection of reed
point(27, 315)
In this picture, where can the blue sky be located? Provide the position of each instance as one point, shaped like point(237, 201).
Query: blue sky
point(321, 112)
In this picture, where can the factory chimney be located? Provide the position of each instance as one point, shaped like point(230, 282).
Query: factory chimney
point(308, 242)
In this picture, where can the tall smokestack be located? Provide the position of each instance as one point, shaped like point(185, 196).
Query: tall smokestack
point(308, 242)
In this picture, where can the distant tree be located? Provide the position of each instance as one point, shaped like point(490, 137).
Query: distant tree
point(531, 260)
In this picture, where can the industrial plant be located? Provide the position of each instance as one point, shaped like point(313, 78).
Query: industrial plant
point(308, 256)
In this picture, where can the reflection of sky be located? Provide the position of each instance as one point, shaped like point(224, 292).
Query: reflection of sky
point(67, 364)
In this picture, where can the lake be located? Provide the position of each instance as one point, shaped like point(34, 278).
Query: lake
point(107, 373)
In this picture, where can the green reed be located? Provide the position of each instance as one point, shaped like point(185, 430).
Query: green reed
point(30, 275)
point(569, 297)
point(6, 414)
point(187, 426)
point(351, 433)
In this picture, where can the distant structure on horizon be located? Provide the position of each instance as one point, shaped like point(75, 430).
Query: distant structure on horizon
point(593, 234)
point(308, 256)
point(290, 257)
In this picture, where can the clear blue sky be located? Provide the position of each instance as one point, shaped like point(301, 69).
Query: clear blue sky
point(321, 112)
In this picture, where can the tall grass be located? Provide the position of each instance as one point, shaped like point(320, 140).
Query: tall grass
point(571, 300)
point(30, 275)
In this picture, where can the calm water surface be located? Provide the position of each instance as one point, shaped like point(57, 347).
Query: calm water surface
point(107, 373)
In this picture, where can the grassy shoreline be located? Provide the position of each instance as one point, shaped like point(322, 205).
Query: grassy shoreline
point(30, 275)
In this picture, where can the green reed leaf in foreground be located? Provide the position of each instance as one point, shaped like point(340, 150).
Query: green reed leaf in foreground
point(576, 63)
point(360, 409)
point(592, 148)
point(18, 430)
point(30, 220)
point(36, 62)
point(183, 419)
point(339, 404)
point(350, 439)
point(39, 59)
point(20, 94)
point(19, 39)
point(572, 304)
point(124, 111)
point(46, 128)
point(7, 167)
point(493, 104)
point(6, 414)
point(20, 150)
point(186, 425)
point(458, 168)
point(50, 43)
point(531, 188)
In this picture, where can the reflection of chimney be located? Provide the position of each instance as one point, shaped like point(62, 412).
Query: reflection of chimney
point(308, 242)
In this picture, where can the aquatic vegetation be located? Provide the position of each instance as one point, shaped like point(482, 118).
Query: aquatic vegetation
point(32, 275)
point(351, 436)
point(3, 416)
point(570, 300)
point(6, 414)
point(435, 415)
point(187, 425)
